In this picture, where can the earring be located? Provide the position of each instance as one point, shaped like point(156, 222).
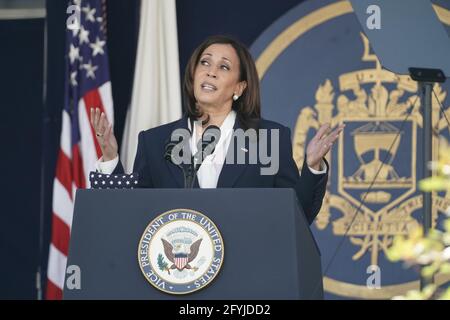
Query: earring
point(235, 97)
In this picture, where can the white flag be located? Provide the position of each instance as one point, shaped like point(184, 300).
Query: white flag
point(156, 96)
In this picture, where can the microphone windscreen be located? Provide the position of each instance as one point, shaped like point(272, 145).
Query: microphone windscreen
point(211, 135)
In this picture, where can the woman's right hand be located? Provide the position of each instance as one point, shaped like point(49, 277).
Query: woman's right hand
point(105, 135)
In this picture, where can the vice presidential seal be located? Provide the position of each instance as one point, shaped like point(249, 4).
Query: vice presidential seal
point(181, 251)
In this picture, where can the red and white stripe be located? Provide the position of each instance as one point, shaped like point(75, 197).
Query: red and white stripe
point(74, 163)
point(181, 262)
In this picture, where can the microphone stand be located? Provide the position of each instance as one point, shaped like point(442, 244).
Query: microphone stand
point(190, 170)
point(427, 78)
point(197, 160)
point(194, 167)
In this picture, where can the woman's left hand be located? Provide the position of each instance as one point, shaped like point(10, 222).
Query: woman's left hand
point(319, 146)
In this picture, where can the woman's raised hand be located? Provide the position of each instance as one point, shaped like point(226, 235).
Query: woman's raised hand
point(105, 135)
point(319, 146)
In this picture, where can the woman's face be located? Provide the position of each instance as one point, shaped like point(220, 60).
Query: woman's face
point(216, 77)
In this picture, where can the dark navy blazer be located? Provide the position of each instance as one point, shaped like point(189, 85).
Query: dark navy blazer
point(156, 172)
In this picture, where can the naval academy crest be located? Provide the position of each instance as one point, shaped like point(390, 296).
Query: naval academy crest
point(316, 67)
point(181, 251)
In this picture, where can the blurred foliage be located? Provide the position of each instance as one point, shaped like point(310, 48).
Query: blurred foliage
point(431, 252)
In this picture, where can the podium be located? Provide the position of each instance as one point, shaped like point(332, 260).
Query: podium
point(269, 250)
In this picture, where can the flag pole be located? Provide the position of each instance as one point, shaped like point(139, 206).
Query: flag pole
point(45, 121)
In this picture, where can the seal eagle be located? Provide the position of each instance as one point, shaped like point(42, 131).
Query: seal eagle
point(181, 261)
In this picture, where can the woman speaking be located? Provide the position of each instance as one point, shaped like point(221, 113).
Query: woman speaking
point(221, 89)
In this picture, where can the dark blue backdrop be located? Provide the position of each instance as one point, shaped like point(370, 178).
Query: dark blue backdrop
point(21, 83)
point(30, 128)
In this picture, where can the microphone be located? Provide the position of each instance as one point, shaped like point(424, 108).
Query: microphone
point(205, 147)
point(207, 144)
point(186, 168)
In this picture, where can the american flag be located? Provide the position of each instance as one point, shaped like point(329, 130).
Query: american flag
point(87, 85)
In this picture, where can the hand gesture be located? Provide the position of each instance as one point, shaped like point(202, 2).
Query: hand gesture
point(105, 135)
point(319, 146)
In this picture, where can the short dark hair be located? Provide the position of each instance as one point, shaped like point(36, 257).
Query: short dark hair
point(248, 106)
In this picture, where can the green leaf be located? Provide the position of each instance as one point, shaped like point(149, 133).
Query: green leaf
point(429, 271)
point(447, 225)
point(428, 291)
point(162, 265)
point(445, 267)
point(434, 184)
point(414, 295)
point(445, 295)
